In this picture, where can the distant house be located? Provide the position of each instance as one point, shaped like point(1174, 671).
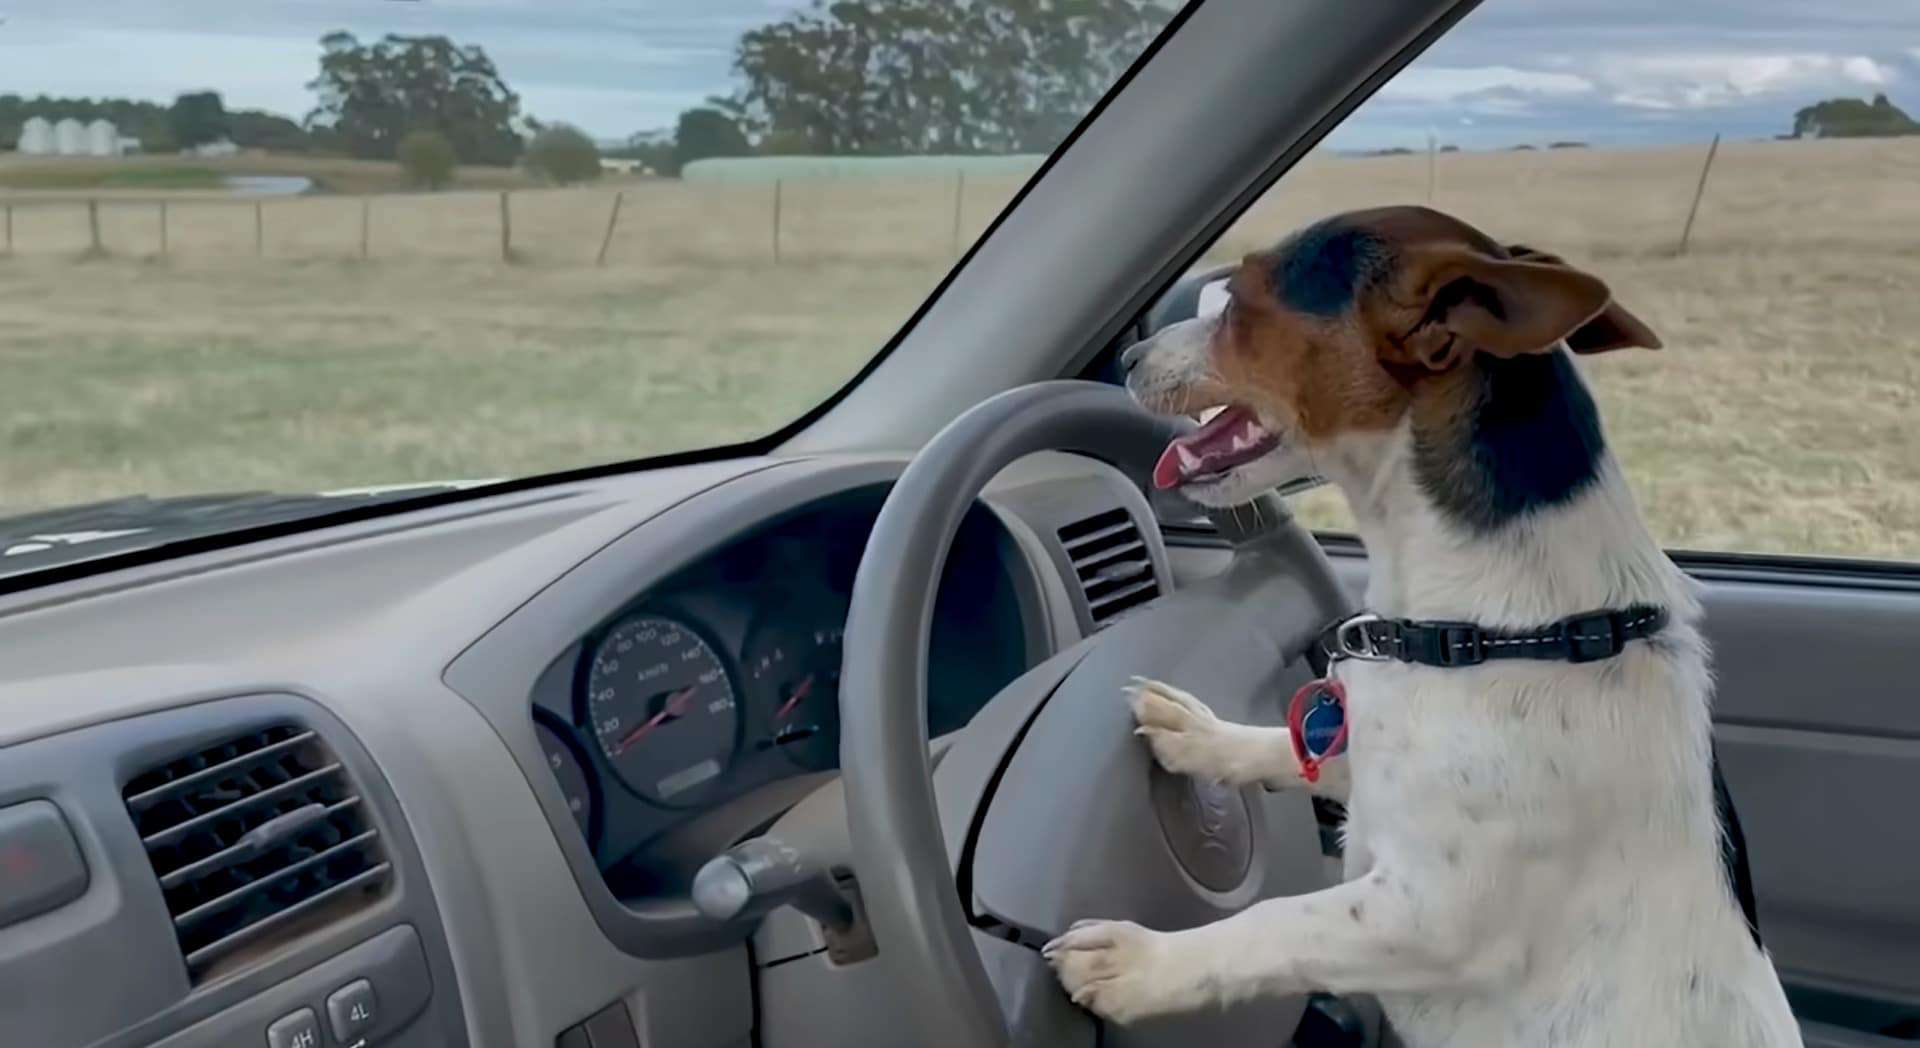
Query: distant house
point(36, 137)
point(623, 165)
point(218, 148)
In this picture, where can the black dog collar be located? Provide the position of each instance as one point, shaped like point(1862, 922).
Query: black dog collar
point(1589, 637)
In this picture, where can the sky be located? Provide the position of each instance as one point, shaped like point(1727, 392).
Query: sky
point(1609, 72)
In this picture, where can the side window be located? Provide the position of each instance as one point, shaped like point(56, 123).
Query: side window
point(1750, 185)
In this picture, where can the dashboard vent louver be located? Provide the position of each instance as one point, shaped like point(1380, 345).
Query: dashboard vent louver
point(1112, 562)
point(253, 837)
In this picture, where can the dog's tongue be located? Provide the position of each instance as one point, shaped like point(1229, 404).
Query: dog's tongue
point(1229, 438)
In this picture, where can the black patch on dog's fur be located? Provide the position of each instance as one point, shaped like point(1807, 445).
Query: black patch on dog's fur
point(1530, 440)
point(1322, 267)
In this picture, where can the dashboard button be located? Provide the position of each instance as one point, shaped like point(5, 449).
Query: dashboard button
point(351, 1011)
point(40, 864)
point(298, 1030)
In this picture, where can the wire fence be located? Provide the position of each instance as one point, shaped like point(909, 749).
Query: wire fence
point(637, 222)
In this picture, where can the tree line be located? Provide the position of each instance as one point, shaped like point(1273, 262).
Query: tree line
point(841, 77)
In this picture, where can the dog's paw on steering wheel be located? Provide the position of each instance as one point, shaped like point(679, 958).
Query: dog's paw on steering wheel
point(1186, 737)
point(1120, 971)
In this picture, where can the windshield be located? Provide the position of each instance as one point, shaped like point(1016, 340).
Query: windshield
point(299, 246)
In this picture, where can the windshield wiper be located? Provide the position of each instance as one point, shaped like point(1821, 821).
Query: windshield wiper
point(48, 538)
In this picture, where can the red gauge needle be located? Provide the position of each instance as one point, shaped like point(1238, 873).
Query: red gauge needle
point(799, 693)
point(676, 705)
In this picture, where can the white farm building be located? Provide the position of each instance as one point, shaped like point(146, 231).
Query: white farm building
point(70, 137)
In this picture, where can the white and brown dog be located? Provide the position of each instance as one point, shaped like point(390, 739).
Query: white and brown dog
point(1533, 854)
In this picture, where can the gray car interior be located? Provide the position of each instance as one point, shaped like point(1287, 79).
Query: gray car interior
point(384, 694)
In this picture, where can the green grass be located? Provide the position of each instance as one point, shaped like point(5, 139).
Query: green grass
point(309, 376)
point(93, 176)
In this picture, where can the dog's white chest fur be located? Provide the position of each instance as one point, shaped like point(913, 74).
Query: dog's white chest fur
point(1572, 798)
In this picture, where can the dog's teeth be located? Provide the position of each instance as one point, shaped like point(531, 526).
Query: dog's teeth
point(1188, 460)
point(1242, 441)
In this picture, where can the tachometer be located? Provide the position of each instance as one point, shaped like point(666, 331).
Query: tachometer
point(662, 707)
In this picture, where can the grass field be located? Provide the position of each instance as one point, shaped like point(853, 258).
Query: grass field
point(1779, 418)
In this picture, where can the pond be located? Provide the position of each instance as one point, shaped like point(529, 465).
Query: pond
point(266, 185)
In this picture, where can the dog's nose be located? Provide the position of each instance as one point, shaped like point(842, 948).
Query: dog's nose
point(1131, 357)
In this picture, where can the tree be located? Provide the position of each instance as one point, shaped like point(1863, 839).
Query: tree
point(197, 118)
point(428, 159)
point(1852, 118)
point(564, 155)
point(372, 95)
point(654, 150)
point(707, 132)
point(935, 76)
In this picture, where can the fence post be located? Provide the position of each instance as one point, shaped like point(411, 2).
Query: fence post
point(1433, 147)
point(612, 219)
point(93, 225)
point(163, 229)
point(1700, 190)
point(259, 230)
point(506, 229)
point(776, 221)
point(366, 205)
point(959, 198)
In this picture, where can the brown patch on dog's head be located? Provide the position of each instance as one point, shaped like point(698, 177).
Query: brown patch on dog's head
point(1338, 326)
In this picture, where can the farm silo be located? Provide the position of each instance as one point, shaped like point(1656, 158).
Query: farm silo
point(103, 139)
point(36, 137)
point(70, 137)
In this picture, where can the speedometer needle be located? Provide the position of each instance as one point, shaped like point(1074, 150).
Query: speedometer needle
point(799, 693)
point(676, 705)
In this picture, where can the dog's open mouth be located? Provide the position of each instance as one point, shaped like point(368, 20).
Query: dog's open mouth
point(1232, 437)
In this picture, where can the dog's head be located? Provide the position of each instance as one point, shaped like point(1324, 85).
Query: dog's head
point(1347, 327)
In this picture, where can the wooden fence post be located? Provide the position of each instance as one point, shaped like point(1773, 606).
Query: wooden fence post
point(959, 198)
point(1700, 190)
point(93, 225)
point(163, 229)
point(259, 230)
point(1433, 147)
point(612, 219)
point(506, 229)
point(366, 205)
point(776, 221)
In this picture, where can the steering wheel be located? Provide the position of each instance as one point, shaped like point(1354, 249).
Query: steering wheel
point(1071, 818)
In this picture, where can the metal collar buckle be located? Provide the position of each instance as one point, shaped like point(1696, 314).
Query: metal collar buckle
point(1351, 639)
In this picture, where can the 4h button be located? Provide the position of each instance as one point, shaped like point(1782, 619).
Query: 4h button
point(350, 1011)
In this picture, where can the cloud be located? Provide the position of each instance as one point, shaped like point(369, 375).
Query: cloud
point(1704, 81)
point(1420, 84)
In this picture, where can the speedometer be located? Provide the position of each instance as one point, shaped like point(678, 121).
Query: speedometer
point(662, 706)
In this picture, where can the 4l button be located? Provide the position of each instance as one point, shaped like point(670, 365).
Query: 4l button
point(351, 1011)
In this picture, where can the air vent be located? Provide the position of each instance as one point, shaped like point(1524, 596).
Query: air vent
point(255, 838)
point(1112, 562)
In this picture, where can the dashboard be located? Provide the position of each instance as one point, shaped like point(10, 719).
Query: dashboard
point(473, 754)
point(723, 680)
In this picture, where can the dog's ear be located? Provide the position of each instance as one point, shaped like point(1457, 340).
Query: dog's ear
point(1469, 301)
point(1614, 327)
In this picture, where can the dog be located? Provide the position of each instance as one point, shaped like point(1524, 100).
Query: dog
point(1533, 855)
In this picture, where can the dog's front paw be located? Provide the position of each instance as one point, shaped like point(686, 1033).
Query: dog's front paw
point(1187, 738)
point(1120, 971)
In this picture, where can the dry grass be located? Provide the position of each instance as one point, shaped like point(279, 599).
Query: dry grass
point(1778, 418)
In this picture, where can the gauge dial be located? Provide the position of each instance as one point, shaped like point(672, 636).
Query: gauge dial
point(662, 707)
point(794, 666)
point(566, 768)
